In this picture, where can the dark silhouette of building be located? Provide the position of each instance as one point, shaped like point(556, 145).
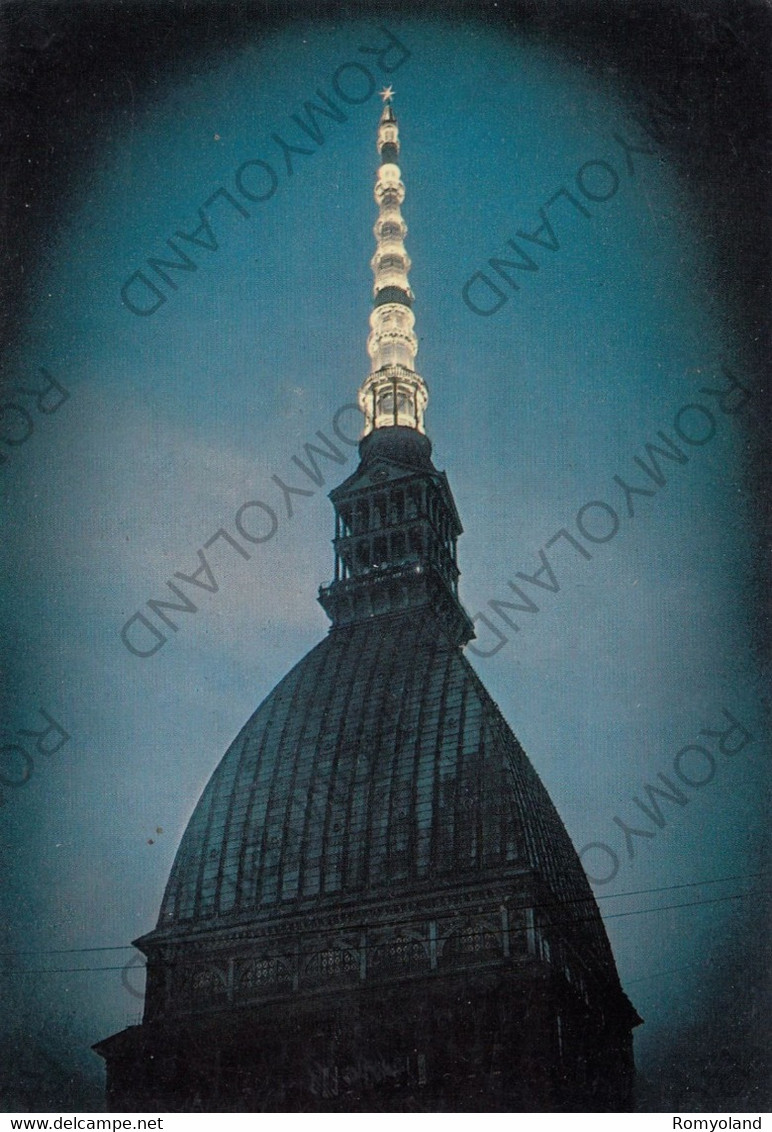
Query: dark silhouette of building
point(375, 905)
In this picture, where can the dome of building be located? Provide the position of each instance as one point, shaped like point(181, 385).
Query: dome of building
point(379, 764)
point(375, 905)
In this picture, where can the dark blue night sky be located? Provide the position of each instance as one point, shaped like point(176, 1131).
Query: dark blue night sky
point(177, 418)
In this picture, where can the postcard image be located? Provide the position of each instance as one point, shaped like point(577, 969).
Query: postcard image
point(385, 618)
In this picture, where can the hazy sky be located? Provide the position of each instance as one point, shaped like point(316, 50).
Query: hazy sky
point(178, 418)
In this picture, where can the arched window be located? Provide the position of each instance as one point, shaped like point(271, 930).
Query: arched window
point(402, 953)
point(474, 940)
point(333, 964)
point(252, 974)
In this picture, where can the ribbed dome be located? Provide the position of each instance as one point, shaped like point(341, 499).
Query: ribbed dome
point(378, 765)
point(375, 906)
point(403, 445)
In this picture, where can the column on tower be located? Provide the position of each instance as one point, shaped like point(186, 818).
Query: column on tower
point(393, 393)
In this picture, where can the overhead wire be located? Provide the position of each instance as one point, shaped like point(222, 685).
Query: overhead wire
point(539, 906)
point(410, 920)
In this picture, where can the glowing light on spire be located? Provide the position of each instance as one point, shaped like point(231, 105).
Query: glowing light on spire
point(393, 393)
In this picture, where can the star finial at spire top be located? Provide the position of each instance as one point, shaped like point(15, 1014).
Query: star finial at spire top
point(387, 94)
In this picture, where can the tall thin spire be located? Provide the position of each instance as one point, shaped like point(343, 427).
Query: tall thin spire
point(396, 524)
point(393, 393)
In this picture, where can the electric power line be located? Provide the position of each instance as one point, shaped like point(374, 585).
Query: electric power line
point(552, 904)
point(564, 923)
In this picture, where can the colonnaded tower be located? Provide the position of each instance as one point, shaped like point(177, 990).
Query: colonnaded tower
point(375, 905)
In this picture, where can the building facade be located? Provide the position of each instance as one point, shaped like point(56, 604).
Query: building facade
point(375, 905)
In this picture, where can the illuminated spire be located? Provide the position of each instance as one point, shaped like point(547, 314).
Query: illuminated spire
point(393, 394)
